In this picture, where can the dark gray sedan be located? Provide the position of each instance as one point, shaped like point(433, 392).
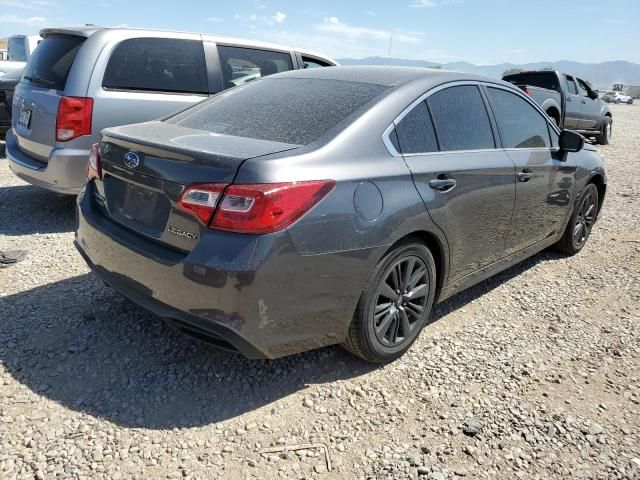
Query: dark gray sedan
point(333, 205)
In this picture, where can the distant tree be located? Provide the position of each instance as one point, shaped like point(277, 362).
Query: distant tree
point(547, 69)
point(437, 67)
point(511, 71)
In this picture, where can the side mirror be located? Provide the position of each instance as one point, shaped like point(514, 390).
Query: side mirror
point(570, 141)
point(593, 94)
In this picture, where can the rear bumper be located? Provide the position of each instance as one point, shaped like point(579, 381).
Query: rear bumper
point(65, 172)
point(251, 293)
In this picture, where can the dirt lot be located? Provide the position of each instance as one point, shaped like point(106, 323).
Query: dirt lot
point(532, 374)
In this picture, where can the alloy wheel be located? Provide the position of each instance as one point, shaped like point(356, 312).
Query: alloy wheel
point(401, 301)
point(585, 219)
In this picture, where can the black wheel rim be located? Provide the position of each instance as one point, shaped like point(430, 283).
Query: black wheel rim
point(585, 219)
point(400, 302)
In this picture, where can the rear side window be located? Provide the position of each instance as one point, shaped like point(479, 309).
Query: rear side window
point(520, 125)
point(157, 65)
point(461, 119)
point(415, 131)
point(50, 63)
point(571, 85)
point(241, 65)
point(287, 110)
point(310, 62)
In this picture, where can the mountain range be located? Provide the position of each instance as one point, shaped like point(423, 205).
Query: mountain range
point(601, 75)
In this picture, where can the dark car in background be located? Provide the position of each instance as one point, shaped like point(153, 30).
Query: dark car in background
point(568, 100)
point(336, 205)
point(8, 82)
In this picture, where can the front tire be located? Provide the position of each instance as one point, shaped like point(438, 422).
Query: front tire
point(394, 305)
point(581, 222)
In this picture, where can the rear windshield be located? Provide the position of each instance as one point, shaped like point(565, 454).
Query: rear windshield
point(287, 110)
point(50, 63)
point(542, 79)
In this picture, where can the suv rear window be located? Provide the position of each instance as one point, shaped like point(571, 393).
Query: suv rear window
point(157, 65)
point(540, 79)
point(50, 63)
point(241, 65)
point(287, 110)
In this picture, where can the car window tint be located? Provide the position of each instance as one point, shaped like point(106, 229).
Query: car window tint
point(157, 64)
point(287, 110)
point(240, 65)
point(461, 119)
point(415, 131)
point(571, 85)
point(535, 79)
point(583, 89)
point(314, 63)
point(51, 62)
point(519, 123)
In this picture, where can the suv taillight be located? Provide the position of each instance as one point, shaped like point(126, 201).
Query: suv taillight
point(94, 170)
point(74, 118)
point(254, 209)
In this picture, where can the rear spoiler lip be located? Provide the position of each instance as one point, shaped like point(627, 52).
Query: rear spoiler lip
point(76, 32)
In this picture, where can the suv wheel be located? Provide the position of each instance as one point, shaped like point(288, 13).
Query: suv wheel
point(395, 304)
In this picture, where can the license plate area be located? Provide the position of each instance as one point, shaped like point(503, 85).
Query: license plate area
point(137, 207)
point(24, 118)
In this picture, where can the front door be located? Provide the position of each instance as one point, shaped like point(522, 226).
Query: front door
point(590, 116)
point(467, 185)
point(572, 105)
point(544, 180)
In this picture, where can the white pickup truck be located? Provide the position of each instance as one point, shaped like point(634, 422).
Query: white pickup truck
point(19, 50)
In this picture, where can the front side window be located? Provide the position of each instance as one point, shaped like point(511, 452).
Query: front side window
point(241, 65)
point(157, 65)
point(583, 89)
point(519, 123)
point(415, 131)
point(460, 118)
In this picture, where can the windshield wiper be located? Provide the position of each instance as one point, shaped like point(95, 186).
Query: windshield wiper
point(34, 79)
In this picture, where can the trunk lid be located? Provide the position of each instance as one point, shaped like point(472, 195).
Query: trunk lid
point(147, 166)
point(38, 94)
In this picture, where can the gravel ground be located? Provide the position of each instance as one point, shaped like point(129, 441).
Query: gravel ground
point(534, 373)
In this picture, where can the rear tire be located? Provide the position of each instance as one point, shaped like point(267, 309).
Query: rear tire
point(581, 222)
point(607, 128)
point(395, 304)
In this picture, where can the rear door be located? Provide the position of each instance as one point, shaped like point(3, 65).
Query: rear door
point(573, 104)
point(544, 180)
point(467, 185)
point(590, 108)
point(37, 96)
point(145, 78)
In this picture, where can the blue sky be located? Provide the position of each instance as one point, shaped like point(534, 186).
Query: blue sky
point(478, 31)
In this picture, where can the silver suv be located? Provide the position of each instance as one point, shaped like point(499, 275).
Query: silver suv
point(79, 81)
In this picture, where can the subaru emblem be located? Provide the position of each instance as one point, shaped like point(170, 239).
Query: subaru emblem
point(131, 159)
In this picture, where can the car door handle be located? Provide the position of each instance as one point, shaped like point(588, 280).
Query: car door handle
point(525, 175)
point(442, 183)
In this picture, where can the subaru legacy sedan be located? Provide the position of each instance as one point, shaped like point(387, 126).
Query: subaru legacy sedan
point(332, 206)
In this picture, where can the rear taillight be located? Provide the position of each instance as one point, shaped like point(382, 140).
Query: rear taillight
point(74, 118)
point(94, 170)
point(201, 200)
point(254, 209)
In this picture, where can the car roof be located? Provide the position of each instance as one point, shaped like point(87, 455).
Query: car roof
point(87, 31)
point(391, 76)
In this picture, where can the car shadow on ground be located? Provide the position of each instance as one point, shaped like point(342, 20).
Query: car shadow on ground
point(27, 209)
point(84, 346)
